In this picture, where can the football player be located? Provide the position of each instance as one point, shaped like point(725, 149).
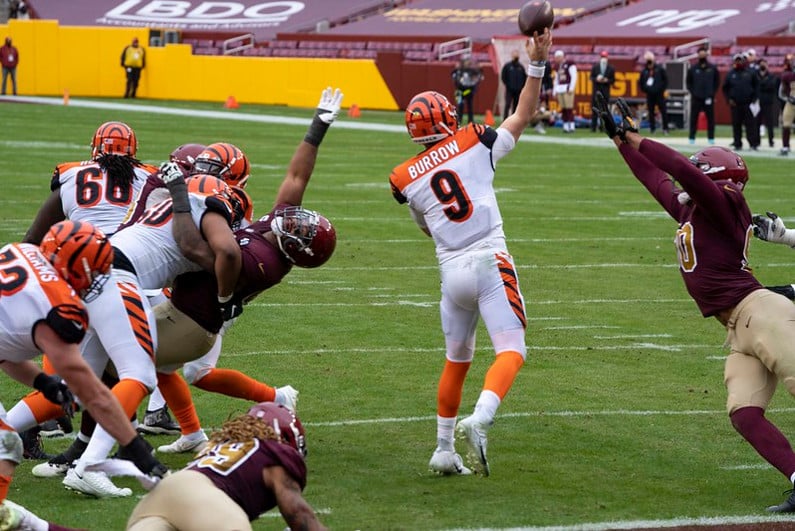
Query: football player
point(98, 191)
point(289, 235)
point(449, 191)
point(45, 290)
point(253, 463)
point(705, 197)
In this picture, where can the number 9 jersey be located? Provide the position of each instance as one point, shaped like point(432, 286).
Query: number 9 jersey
point(449, 188)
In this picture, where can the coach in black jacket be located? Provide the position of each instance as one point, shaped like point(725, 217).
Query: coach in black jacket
point(654, 82)
point(741, 88)
point(703, 81)
point(603, 75)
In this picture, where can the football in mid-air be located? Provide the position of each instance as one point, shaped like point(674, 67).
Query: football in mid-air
point(536, 15)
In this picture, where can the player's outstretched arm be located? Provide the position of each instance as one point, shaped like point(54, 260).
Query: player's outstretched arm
point(302, 164)
point(538, 51)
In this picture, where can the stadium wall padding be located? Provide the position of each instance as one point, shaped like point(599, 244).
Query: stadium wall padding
point(85, 61)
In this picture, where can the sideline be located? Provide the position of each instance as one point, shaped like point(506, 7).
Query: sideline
point(583, 138)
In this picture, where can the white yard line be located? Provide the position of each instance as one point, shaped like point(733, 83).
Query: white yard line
point(714, 521)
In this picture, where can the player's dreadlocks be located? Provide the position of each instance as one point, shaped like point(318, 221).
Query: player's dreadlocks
point(120, 169)
point(243, 428)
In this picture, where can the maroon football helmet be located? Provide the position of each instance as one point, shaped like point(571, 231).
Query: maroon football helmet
point(721, 164)
point(304, 236)
point(185, 155)
point(283, 421)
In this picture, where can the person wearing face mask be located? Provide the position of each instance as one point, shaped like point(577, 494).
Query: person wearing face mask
point(654, 83)
point(768, 101)
point(702, 81)
point(603, 75)
point(741, 89)
point(513, 76)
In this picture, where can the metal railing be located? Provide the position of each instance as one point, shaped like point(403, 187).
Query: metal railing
point(456, 48)
point(238, 44)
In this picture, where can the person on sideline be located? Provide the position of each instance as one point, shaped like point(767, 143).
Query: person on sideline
point(513, 76)
point(133, 60)
point(448, 188)
point(702, 81)
point(704, 195)
point(9, 59)
point(564, 82)
point(603, 75)
point(653, 82)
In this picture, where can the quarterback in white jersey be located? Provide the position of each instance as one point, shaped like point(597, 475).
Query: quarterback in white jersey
point(41, 308)
point(449, 191)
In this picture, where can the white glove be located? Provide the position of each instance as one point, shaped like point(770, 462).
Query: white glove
point(772, 229)
point(329, 106)
point(170, 172)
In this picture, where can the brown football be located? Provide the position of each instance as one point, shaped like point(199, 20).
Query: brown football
point(535, 16)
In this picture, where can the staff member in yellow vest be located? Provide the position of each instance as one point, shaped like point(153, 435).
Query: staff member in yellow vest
point(133, 60)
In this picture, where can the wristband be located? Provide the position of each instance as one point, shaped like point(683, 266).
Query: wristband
point(535, 71)
point(224, 299)
point(538, 63)
point(317, 130)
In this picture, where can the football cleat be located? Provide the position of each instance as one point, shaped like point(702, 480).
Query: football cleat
point(787, 506)
point(159, 422)
point(287, 396)
point(473, 432)
point(186, 443)
point(31, 442)
point(96, 484)
point(448, 463)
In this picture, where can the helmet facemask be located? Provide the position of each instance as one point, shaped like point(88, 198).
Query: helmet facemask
point(294, 229)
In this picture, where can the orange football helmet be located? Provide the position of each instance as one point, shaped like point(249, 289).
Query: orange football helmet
point(241, 201)
point(81, 253)
point(224, 161)
point(430, 117)
point(114, 138)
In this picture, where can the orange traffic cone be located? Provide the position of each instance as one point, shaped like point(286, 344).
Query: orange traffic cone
point(488, 118)
point(231, 103)
point(66, 97)
point(354, 111)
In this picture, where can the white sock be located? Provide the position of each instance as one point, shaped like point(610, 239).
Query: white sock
point(21, 417)
point(445, 428)
point(156, 400)
point(194, 435)
point(486, 406)
point(792, 478)
point(98, 448)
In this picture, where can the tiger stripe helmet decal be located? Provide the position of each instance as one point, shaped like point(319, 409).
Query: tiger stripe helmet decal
point(114, 138)
point(225, 161)
point(430, 117)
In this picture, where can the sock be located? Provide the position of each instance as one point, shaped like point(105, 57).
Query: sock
point(445, 438)
point(765, 438)
point(98, 448)
point(20, 417)
point(41, 408)
point(130, 394)
point(234, 383)
point(502, 372)
point(177, 395)
point(46, 365)
point(785, 137)
point(5, 483)
point(451, 385)
point(486, 406)
point(87, 426)
point(156, 400)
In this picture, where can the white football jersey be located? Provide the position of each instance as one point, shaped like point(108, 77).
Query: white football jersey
point(86, 194)
point(450, 186)
point(32, 291)
point(149, 242)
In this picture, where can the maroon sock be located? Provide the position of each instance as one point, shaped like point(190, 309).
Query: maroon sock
point(767, 440)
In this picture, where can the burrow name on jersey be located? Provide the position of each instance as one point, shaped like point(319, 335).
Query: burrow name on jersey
point(433, 158)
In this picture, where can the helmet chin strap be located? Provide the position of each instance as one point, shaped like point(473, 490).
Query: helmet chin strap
point(276, 228)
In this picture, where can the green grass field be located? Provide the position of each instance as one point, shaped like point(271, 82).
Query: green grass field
point(617, 416)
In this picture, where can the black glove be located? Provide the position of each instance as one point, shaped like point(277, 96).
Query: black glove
point(140, 454)
point(231, 307)
point(628, 123)
point(54, 390)
point(603, 110)
point(788, 291)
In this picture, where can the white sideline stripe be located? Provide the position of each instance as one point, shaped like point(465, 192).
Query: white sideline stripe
point(760, 466)
point(277, 514)
point(436, 302)
point(715, 521)
point(538, 414)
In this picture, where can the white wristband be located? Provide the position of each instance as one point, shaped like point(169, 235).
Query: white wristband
point(535, 71)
